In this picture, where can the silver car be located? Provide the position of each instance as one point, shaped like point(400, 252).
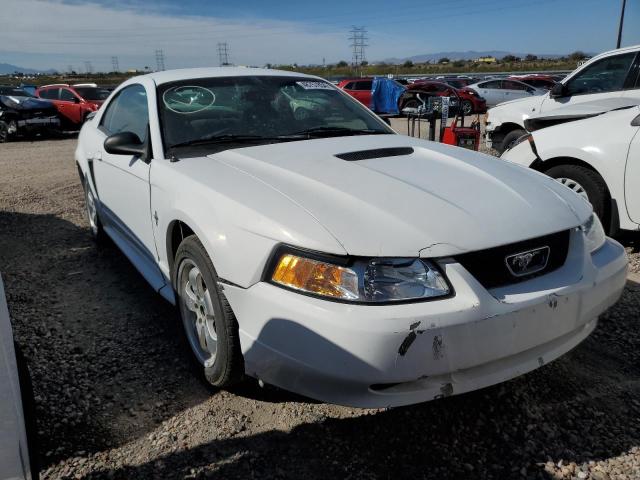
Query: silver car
point(17, 427)
point(496, 91)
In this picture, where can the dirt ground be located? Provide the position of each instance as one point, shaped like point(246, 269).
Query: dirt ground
point(117, 397)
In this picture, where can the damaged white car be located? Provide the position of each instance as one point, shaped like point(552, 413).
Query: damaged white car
point(324, 253)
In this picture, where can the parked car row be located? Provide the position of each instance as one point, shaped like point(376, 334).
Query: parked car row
point(49, 109)
point(415, 93)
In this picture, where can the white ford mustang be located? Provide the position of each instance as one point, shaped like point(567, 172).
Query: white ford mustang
point(309, 246)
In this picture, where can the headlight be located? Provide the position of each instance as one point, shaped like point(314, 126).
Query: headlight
point(594, 235)
point(375, 280)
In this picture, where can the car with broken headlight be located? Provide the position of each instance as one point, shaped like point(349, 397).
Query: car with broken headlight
point(330, 256)
point(21, 113)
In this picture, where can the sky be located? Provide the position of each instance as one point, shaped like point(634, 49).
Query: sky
point(45, 34)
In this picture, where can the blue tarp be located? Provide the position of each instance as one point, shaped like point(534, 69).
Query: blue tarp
point(385, 94)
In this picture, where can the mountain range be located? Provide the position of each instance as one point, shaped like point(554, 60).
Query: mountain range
point(468, 55)
point(7, 68)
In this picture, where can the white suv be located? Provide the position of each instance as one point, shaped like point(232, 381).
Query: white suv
point(610, 74)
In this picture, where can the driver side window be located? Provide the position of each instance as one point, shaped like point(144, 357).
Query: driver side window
point(606, 75)
point(127, 112)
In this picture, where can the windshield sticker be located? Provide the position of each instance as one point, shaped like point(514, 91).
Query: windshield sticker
point(308, 85)
point(188, 99)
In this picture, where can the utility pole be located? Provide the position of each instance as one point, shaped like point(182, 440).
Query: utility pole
point(114, 64)
point(358, 43)
point(624, 4)
point(159, 60)
point(88, 67)
point(223, 54)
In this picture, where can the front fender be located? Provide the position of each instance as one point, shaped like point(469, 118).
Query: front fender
point(238, 218)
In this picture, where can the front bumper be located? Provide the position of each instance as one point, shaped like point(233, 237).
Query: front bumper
point(392, 355)
point(39, 122)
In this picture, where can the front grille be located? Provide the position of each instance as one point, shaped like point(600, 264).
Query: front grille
point(375, 153)
point(489, 266)
point(47, 112)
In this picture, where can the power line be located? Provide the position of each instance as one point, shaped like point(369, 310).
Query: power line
point(223, 54)
point(159, 60)
point(358, 43)
point(114, 64)
point(624, 3)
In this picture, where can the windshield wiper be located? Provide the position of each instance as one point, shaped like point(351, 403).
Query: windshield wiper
point(338, 131)
point(227, 138)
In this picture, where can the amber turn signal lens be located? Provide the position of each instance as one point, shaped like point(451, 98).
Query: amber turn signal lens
point(316, 277)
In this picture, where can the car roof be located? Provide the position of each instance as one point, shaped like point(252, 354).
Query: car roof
point(167, 76)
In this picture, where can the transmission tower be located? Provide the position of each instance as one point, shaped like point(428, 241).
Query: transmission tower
point(88, 67)
point(223, 54)
point(159, 60)
point(358, 43)
point(114, 64)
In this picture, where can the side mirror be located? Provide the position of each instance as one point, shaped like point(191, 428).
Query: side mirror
point(125, 143)
point(558, 90)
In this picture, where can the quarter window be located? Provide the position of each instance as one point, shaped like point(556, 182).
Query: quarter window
point(128, 112)
point(606, 75)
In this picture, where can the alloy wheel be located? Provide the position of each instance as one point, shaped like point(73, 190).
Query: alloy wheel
point(92, 212)
point(198, 317)
point(575, 186)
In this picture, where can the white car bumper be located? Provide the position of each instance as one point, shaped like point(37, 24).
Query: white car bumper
point(392, 355)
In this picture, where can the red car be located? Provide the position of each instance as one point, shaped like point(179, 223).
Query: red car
point(470, 100)
point(74, 102)
point(358, 88)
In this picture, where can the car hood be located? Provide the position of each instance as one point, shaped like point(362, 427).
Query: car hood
point(434, 201)
point(25, 103)
point(578, 111)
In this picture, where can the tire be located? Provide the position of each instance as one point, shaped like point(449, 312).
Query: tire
point(210, 326)
point(510, 138)
point(29, 412)
point(4, 132)
point(467, 107)
point(93, 218)
point(587, 183)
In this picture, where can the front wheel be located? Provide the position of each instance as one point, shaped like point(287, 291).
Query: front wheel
point(510, 139)
point(586, 183)
point(4, 132)
point(91, 209)
point(210, 325)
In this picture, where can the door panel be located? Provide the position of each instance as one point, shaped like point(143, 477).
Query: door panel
point(122, 183)
point(632, 180)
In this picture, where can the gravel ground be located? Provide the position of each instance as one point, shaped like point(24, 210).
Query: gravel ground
point(117, 397)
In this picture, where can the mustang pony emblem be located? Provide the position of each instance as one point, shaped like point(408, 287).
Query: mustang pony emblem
point(526, 263)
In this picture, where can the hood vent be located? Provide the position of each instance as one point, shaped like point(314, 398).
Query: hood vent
point(375, 153)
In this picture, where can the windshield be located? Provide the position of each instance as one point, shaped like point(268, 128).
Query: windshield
point(14, 91)
point(258, 108)
point(92, 93)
